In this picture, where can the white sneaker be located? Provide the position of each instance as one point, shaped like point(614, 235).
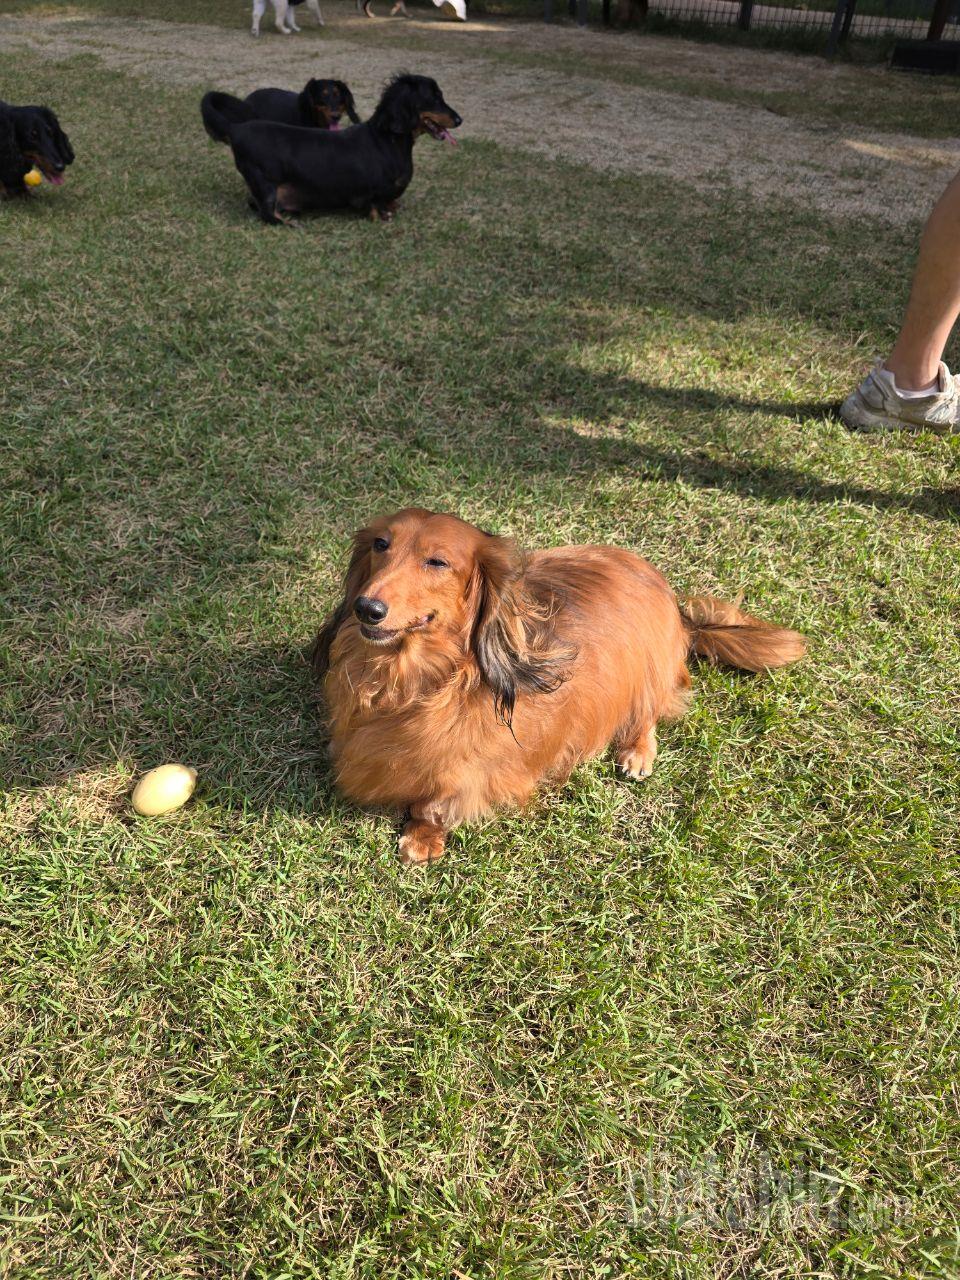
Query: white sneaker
point(878, 405)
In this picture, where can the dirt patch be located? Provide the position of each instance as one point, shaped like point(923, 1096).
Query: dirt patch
point(843, 172)
point(87, 796)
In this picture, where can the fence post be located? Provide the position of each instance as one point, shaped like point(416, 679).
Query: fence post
point(938, 19)
point(842, 18)
point(548, 10)
point(581, 13)
point(746, 13)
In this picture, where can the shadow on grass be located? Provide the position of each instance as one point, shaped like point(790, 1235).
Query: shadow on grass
point(615, 396)
point(770, 483)
point(248, 718)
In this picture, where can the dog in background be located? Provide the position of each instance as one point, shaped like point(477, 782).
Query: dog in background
point(366, 168)
point(31, 137)
point(283, 14)
point(320, 104)
point(458, 674)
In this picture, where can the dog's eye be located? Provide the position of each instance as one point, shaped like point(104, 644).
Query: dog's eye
point(380, 544)
point(436, 563)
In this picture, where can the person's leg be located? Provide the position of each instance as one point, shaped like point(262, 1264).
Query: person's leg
point(912, 388)
point(934, 298)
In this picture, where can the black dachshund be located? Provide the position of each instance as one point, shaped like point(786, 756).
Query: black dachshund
point(366, 168)
point(321, 104)
point(31, 137)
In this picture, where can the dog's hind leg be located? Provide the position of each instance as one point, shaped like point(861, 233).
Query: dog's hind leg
point(263, 194)
point(314, 7)
point(259, 7)
point(282, 11)
point(636, 752)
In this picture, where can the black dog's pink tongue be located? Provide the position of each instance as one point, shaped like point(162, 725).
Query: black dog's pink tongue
point(447, 136)
point(56, 179)
point(334, 126)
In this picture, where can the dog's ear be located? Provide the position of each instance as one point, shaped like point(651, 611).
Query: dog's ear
point(305, 101)
point(399, 107)
point(353, 580)
point(347, 98)
point(60, 139)
point(12, 163)
point(510, 641)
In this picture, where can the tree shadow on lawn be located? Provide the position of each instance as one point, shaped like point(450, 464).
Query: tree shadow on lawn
point(748, 475)
point(249, 719)
point(618, 396)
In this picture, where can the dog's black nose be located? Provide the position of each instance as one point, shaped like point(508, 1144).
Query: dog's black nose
point(369, 610)
point(457, 120)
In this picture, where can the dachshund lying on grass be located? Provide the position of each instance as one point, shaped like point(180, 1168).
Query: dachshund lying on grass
point(31, 137)
point(366, 168)
point(320, 104)
point(459, 675)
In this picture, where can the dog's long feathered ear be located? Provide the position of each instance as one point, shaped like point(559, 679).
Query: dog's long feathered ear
point(352, 582)
point(398, 109)
point(60, 139)
point(510, 642)
point(348, 102)
point(305, 101)
point(12, 163)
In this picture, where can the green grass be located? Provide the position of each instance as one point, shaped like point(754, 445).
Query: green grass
point(243, 1040)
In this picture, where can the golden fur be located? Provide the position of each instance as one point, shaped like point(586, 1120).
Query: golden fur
point(492, 671)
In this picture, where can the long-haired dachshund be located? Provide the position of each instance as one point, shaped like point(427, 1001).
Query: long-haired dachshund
point(458, 674)
point(320, 104)
point(366, 168)
point(31, 137)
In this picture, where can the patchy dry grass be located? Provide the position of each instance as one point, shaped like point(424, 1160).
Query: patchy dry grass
point(242, 1041)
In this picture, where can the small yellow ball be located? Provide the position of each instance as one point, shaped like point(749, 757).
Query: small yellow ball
point(164, 789)
point(33, 178)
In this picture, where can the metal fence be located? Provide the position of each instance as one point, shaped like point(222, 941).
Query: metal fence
point(902, 19)
point(827, 22)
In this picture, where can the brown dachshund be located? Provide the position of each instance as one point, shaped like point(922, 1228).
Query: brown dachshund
point(459, 674)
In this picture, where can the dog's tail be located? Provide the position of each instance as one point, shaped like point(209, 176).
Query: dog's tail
point(722, 633)
point(221, 111)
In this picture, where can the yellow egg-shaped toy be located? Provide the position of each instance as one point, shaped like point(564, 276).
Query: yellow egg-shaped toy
point(33, 178)
point(164, 789)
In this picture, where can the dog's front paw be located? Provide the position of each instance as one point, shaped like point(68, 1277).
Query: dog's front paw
point(420, 843)
point(636, 758)
point(635, 765)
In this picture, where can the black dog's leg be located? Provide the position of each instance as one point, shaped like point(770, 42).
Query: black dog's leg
point(264, 193)
point(383, 210)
